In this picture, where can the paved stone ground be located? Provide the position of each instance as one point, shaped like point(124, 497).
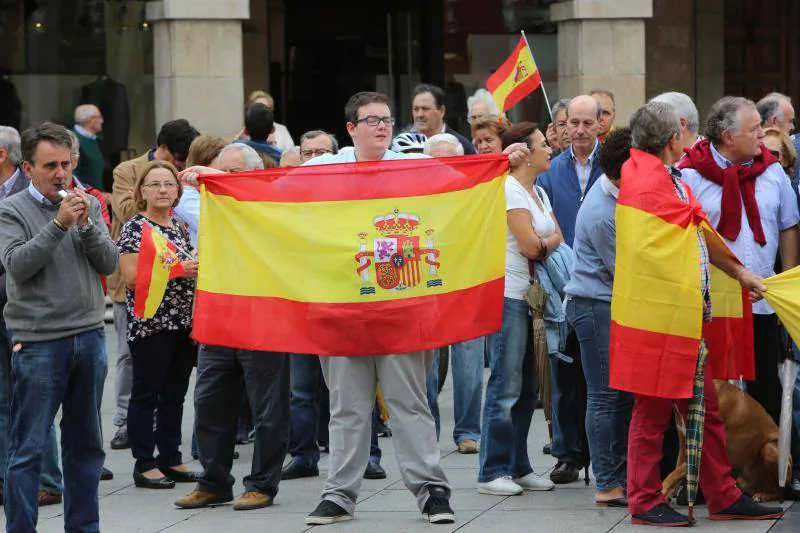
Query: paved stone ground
point(384, 505)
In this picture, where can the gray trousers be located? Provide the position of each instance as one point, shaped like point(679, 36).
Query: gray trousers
point(124, 377)
point(352, 381)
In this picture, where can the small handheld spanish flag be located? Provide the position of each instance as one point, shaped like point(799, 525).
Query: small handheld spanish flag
point(516, 78)
point(158, 263)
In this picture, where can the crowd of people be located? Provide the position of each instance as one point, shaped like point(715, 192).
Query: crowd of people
point(66, 243)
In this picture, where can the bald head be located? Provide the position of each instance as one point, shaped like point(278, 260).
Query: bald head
point(582, 124)
point(88, 117)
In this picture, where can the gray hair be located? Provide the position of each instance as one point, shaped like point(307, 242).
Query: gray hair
point(772, 106)
point(85, 112)
point(482, 95)
point(724, 116)
point(446, 138)
point(560, 106)
point(76, 144)
point(254, 161)
point(313, 134)
point(684, 107)
point(10, 142)
point(653, 125)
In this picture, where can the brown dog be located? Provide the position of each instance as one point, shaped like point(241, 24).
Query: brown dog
point(752, 443)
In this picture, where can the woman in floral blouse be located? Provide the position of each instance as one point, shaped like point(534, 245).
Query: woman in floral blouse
point(162, 353)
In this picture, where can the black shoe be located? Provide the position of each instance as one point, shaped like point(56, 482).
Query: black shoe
point(327, 512)
point(661, 515)
point(546, 449)
point(143, 482)
point(295, 470)
point(120, 440)
point(746, 509)
point(374, 471)
point(180, 477)
point(235, 454)
point(564, 472)
point(106, 474)
point(437, 509)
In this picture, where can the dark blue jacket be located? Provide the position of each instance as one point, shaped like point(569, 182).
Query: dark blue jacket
point(562, 187)
point(263, 148)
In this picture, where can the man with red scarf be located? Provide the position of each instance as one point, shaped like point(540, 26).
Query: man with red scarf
point(750, 202)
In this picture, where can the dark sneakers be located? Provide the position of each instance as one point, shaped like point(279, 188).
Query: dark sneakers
point(326, 513)
point(564, 472)
point(437, 509)
point(295, 470)
point(746, 509)
point(374, 471)
point(120, 440)
point(661, 515)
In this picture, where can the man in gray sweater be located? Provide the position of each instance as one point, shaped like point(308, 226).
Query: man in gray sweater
point(54, 250)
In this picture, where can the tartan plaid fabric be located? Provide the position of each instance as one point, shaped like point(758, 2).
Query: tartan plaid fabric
point(694, 426)
point(680, 189)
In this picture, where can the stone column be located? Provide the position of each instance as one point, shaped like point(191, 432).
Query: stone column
point(601, 45)
point(197, 65)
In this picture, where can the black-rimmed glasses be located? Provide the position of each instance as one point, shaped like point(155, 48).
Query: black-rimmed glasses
point(374, 120)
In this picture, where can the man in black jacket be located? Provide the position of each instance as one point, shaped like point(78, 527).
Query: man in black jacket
point(428, 111)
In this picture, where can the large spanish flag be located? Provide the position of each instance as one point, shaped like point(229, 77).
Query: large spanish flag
point(158, 263)
point(657, 302)
point(352, 259)
point(516, 78)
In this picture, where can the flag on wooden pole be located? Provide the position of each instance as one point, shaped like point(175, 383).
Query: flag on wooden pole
point(516, 78)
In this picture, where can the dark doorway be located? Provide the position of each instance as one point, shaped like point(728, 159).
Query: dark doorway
point(335, 50)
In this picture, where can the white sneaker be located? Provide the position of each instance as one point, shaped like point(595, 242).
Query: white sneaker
point(502, 486)
point(534, 482)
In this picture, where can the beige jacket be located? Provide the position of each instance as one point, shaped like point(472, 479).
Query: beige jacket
point(123, 208)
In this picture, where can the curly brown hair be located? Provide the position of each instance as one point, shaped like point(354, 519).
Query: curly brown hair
point(141, 204)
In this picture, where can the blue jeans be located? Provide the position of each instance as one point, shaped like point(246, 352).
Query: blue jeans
point(466, 363)
point(510, 397)
point(309, 411)
point(608, 411)
point(50, 480)
point(47, 375)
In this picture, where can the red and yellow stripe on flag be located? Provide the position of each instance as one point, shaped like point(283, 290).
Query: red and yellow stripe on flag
point(158, 263)
point(516, 78)
point(657, 302)
point(353, 259)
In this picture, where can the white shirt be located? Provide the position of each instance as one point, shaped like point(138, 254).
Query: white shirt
point(777, 206)
point(188, 210)
point(283, 139)
point(517, 197)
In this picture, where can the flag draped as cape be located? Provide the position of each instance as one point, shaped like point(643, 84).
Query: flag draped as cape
point(657, 302)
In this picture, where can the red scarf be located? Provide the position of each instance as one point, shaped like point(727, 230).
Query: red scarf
point(738, 185)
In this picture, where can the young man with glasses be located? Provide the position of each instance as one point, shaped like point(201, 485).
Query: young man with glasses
point(352, 380)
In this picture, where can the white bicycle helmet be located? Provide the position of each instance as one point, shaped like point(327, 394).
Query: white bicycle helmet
point(409, 142)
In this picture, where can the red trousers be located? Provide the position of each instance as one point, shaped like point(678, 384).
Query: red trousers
point(649, 422)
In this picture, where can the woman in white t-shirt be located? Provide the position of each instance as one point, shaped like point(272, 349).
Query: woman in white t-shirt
point(533, 234)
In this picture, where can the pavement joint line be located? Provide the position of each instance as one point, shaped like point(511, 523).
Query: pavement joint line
point(201, 510)
point(481, 514)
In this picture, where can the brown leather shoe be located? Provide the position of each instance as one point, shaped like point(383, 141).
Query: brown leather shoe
point(468, 446)
point(198, 498)
point(49, 498)
point(252, 500)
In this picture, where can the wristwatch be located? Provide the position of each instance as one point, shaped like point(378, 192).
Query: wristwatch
point(86, 227)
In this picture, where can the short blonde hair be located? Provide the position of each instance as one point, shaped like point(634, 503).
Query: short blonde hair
point(259, 95)
point(204, 149)
point(141, 204)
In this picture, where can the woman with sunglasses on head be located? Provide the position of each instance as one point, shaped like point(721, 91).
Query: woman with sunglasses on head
point(533, 234)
